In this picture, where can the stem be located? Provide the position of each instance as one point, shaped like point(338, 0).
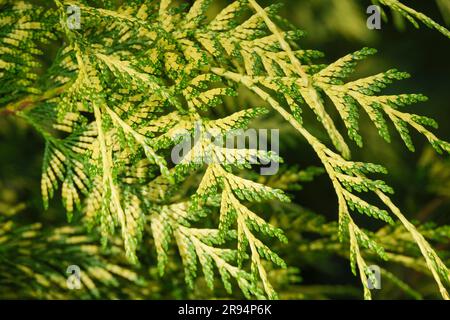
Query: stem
point(31, 101)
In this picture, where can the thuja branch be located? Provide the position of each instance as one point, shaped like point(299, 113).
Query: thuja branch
point(327, 157)
point(435, 264)
point(412, 14)
point(309, 93)
point(283, 43)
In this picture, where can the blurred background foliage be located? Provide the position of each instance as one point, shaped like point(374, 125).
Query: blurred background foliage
point(319, 267)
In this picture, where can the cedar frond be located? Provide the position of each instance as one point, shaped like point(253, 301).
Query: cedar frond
point(139, 85)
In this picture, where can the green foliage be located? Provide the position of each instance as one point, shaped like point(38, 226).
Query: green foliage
point(23, 26)
point(328, 14)
point(34, 262)
point(142, 77)
point(397, 245)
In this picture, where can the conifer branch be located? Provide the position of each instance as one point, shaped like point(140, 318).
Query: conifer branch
point(32, 100)
point(141, 79)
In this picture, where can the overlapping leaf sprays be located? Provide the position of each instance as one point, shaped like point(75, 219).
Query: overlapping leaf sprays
point(124, 86)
